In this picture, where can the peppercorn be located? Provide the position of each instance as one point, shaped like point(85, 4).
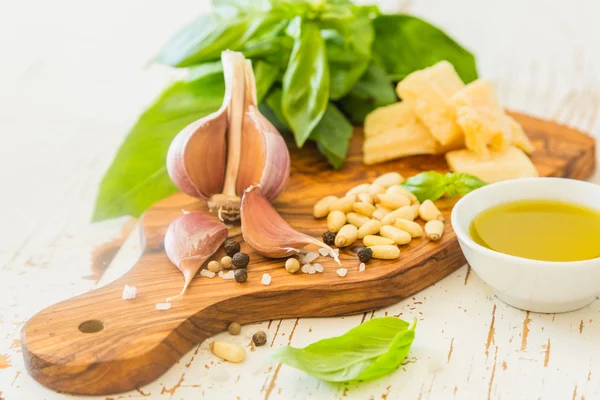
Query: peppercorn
point(231, 247)
point(364, 254)
point(329, 238)
point(241, 260)
point(234, 328)
point(259, 338)
point(241, 275)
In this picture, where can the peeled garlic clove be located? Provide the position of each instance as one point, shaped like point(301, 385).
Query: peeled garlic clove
point(190, 240)
point(267, 232)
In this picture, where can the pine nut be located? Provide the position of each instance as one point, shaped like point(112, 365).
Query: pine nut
point(415, 206)
point(369, 228)
point(397, 235)
point(376, 189)
point(389, 179)
point(365, 198)
point(364, 188)
point(397, 189)
point(385, 252)
point(335, 220)
point(357, 220)
point(344, 204)
point(373, 240)
point(346, 235)
point(380, 212)
point(228, 351)
point(411, 227)
point(434, 229)
point(406, 212)
point(428, 211)
point(392, 201)
point(321, 208)
point(292, 265)
point(365, 209)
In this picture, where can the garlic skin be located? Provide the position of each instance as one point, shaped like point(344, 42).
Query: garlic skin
point(268, 233)
point(191, 239)
point(217, 157)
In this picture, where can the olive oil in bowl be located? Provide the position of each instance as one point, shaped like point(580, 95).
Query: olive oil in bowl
point(545, 230)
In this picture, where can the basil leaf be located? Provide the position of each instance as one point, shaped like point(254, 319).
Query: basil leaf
point(404, 44)
point(349, 55)
point(374, 89)
point(210, 34)
point(306, 82)
point(432, 185)
point(370, 350)
point(332, 135)
point(429, 185)
point(266, 74)
point(137, 177)
point(461, 183)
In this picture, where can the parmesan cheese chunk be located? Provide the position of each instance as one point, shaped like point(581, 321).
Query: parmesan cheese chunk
point(384, 119)
point(409, 140)
point(501, 165)
point(483, 121)
point(429, 91)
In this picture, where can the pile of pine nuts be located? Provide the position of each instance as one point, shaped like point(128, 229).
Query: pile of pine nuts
point(382, 214)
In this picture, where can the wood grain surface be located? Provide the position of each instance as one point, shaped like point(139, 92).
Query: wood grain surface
point(138, 343)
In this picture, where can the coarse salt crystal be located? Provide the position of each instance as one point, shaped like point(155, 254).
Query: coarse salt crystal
point(227, 275)
point(305, 268)
point(342, 272)
point(323, 251)
point(336, 252)
point(310, 257)
point(163, 306)
point(218, 373)
point(207, 273)
point(361, 267)
point(266, 279)
point(318, 268)
point(311, 270)
point(129, 292)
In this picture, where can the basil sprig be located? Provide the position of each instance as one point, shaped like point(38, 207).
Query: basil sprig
point(432, 185)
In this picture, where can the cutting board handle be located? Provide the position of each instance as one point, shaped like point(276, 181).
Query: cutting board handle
point(99, 343)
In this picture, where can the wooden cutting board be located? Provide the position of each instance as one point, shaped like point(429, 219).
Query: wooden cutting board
point(134, 343)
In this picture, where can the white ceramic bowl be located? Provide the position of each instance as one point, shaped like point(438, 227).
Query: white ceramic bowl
point(540, 286)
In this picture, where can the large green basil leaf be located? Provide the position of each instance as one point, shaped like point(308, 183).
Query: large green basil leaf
point(210, 34)
point(374, 89)
point(432, 185)
point(137, 177)
point(404, 44)
point(306, 82)
point(332, 135)
point(372, 349)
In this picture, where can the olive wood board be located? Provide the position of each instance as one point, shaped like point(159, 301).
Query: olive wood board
point(137, 343)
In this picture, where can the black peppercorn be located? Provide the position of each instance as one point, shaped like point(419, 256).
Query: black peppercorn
point(231, 247)
point(241, 260)
point(259, 338)
point(364, 254)
point(241, 275)
point(329, 238)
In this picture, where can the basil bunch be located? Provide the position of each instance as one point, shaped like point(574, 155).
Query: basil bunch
point(319, 65)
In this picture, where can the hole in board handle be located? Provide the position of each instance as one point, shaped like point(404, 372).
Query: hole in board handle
point(91, 326)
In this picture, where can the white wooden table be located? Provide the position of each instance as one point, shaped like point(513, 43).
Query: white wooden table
point(72, 81)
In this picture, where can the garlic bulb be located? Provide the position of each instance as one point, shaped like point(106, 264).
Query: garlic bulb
point(190, 240)
point(268, 233)
point(217, 157)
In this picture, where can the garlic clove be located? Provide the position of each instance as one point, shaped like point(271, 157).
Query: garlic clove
point(265, 160)
point(267, 232)
point(190, 240)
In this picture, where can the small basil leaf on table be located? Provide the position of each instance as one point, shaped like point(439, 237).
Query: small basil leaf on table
point(429, 185)
point(460, 184)
point(306, 82)
point(374, 89)
point(137, 177)
point(370, 350)
point(404, 44)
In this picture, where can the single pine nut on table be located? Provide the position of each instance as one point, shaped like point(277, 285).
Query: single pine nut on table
point(346, 235)
point(409, 226)
point(385, 252)
point(428, 211)
point(397, 235)
point(321, 208)
point(228, 351)
point(356, 219)
point(434, 229)
point(374, 240)
point(371, 227)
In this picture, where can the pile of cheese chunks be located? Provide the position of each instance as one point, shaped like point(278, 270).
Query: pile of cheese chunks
point(439, 114)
